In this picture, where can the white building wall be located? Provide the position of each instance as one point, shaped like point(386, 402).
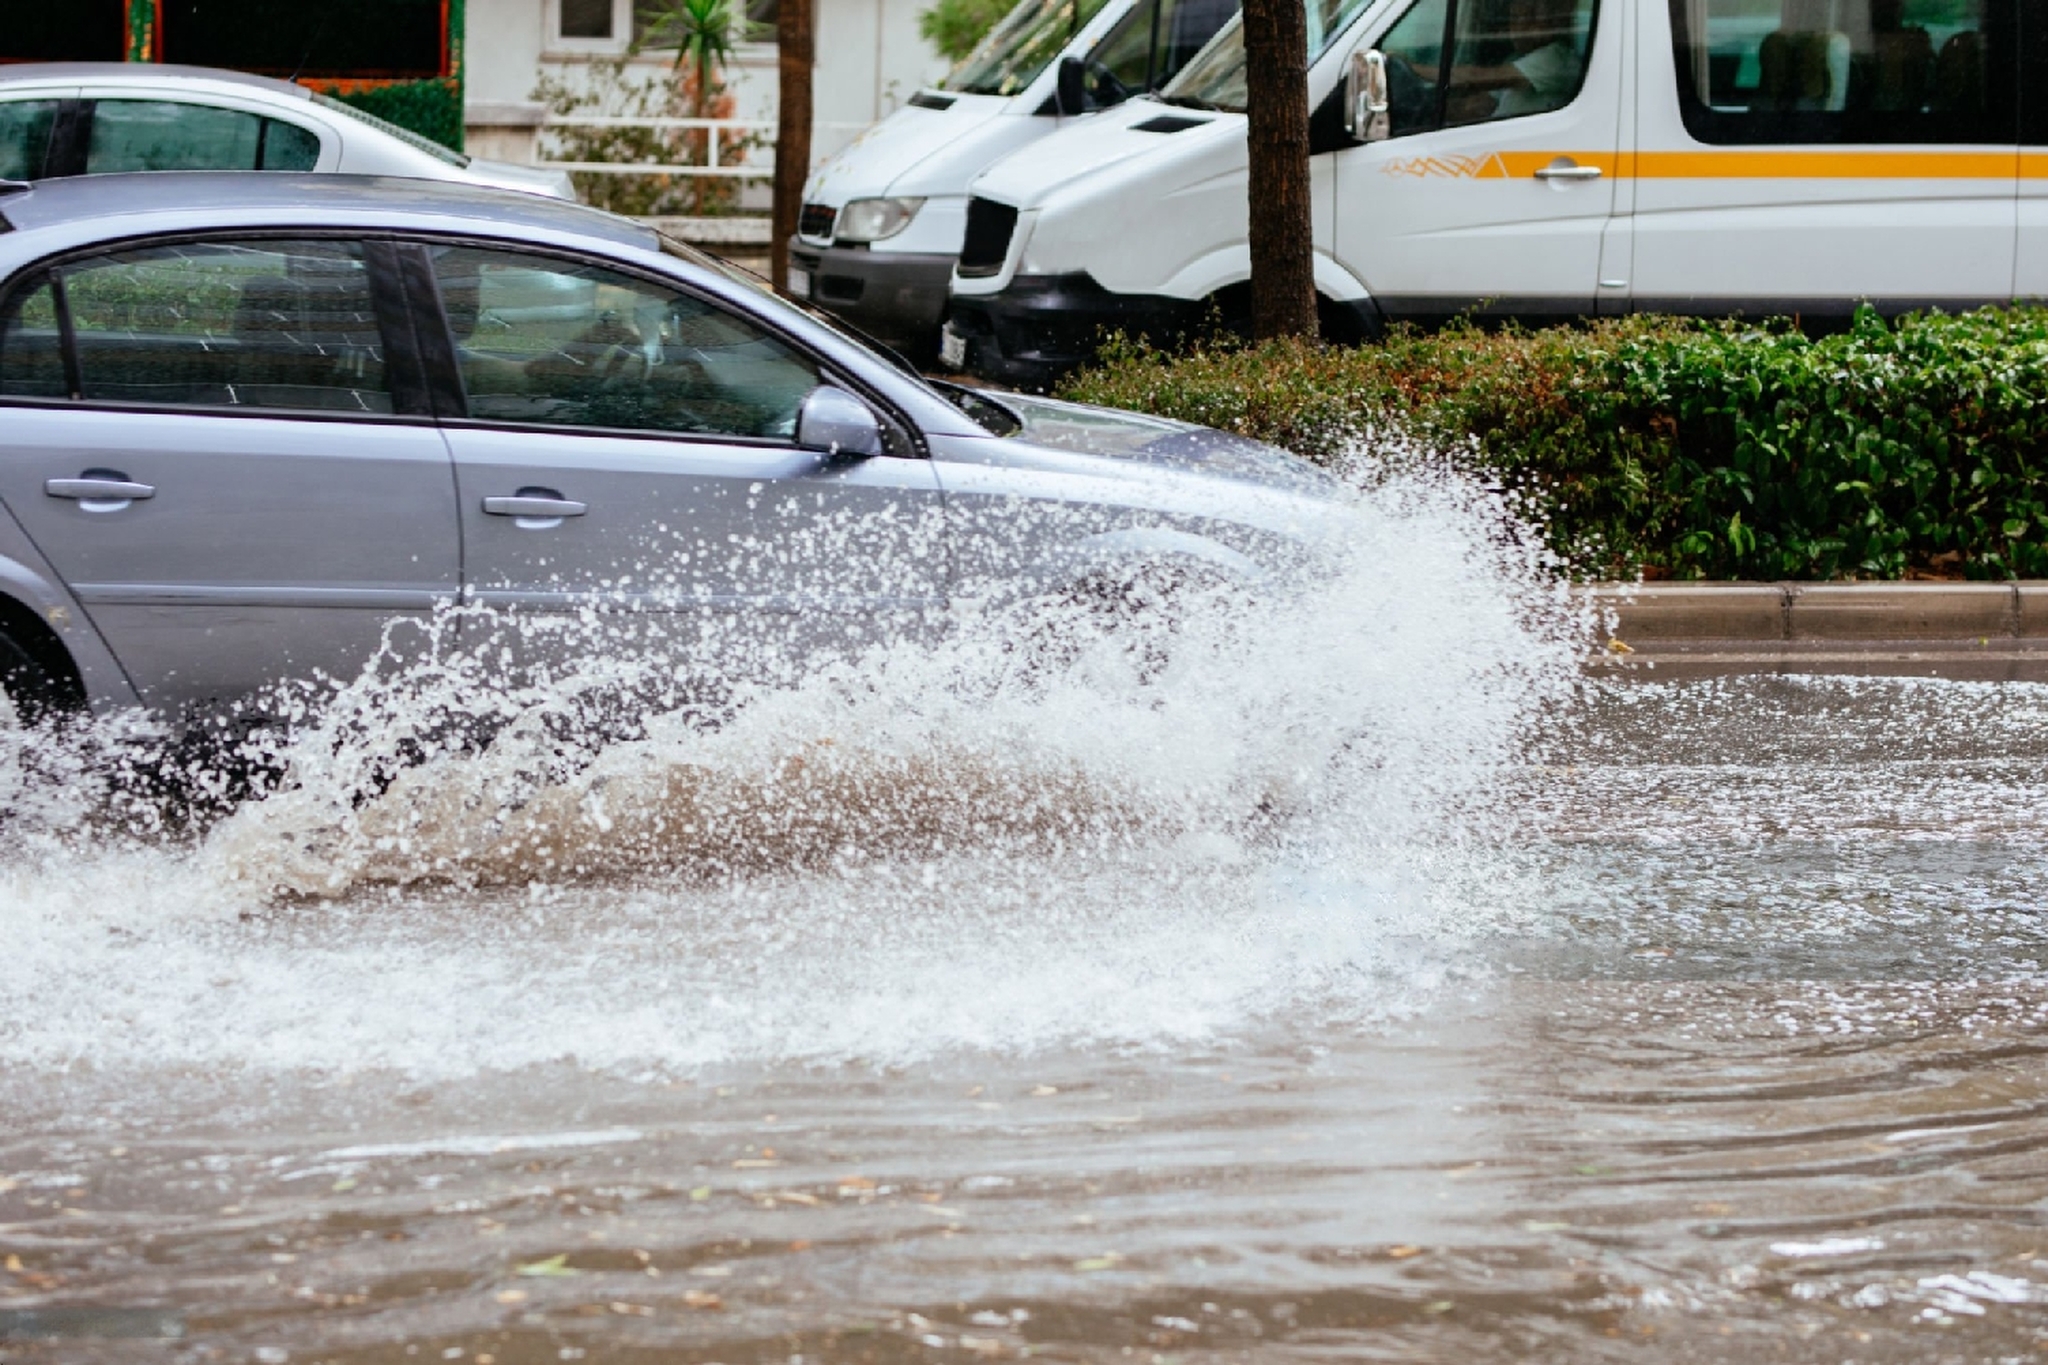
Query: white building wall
point(870, 59)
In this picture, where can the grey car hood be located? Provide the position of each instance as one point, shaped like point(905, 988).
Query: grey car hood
point(1116, 434)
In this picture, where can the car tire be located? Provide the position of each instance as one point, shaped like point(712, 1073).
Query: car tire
point(32, 694)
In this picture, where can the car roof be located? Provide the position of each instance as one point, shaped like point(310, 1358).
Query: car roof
point(184, 201)
point(142, 73)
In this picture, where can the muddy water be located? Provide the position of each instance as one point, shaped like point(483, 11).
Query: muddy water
point(1368, 988)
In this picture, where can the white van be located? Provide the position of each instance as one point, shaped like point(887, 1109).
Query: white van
point(881, 221)
point(1544, 159)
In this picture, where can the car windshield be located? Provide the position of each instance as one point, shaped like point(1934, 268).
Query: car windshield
point(405, 135)
point(1021, 46)
point(1215, 79)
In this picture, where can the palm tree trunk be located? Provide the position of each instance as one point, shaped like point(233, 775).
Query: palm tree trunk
point(794, 59)
point(1282, 235)
point(703, 104)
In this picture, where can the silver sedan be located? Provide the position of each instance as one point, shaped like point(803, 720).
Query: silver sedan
point(249, 422)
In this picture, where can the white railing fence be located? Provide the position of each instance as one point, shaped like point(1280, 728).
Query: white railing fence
point(826, 138)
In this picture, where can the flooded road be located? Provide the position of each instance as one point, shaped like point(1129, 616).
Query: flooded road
point(1371, 989)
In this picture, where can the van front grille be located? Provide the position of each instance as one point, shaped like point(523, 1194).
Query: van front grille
point(815, 222)
point(987, 244)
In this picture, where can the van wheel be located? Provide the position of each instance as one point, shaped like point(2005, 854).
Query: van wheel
point(32, 694)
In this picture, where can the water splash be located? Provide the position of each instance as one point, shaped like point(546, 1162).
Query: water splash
point(1277, 801)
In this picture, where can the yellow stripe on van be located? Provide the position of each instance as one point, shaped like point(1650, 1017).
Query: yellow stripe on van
point(1754, 165)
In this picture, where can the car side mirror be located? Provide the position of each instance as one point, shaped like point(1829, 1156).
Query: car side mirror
point(835, 422)
point(1365, 97)
point(1071, 94)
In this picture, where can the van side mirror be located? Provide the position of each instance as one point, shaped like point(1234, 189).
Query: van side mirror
point(1365, 97)
point(1072, 93)
point(835, 422)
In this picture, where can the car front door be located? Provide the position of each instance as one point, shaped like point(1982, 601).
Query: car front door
point(628, 446)
point(1801, 156)
point(213, 444)
point(1493, 190)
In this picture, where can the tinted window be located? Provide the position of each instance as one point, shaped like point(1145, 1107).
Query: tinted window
point(287, 147)
point(220, 324)
point(158, 135)
point(552, 342)
point(31, 356)
point(25, 137)
point(1855, 71)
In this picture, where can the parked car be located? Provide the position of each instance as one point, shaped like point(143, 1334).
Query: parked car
point(1544, 159)
point(247, 422)
point(882, 221)
point(94, 118)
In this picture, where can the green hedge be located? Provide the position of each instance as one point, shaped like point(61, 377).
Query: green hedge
point(1692, 449)
point(431, 108)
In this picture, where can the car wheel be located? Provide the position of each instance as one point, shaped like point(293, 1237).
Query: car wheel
point(1142, 611)
point(32, 694)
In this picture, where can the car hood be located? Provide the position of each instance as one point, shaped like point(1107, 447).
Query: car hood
point(1138, 130)
point(871, 164)
point(1158, 441)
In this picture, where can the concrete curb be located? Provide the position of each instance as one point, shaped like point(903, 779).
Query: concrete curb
point(1992, 631)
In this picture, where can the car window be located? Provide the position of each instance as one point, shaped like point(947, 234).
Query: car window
point(287, 147)
point(1847, 71)
point(264, 324)
point(31, 350)
point(543, 340)
point(25, 137)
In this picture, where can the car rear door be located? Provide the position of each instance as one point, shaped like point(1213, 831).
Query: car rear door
point(626, 446)
point(218, 446)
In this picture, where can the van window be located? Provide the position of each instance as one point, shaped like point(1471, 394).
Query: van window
point(1021, 46)
point(1216, 79)
point(1847, 71)
point(1505, 59)
point(1150, 44)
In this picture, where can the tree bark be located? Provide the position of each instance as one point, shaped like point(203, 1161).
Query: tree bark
point(1281, 215)
point(794, 58)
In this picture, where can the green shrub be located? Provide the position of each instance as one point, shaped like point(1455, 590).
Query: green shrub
point(431, 108)
point(1682, 448)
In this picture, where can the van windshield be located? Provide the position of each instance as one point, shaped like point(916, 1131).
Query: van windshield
point(1215, 80)
point(1021, 46)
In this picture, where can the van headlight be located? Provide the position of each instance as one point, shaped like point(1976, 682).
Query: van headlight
point(870, 220)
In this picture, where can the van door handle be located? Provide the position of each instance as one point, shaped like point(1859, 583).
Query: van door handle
point(100, 490)
point(1565, 169)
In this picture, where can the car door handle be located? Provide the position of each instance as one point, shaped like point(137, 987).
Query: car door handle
point(100, 490)
point(528, 505)
point(1568, 170)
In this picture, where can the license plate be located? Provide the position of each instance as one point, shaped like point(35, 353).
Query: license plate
point(952, 348)
point(800, 282)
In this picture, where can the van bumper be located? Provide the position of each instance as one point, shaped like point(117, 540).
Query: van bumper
point(898, 296)
point(1042, 326)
